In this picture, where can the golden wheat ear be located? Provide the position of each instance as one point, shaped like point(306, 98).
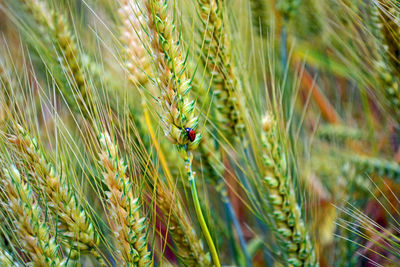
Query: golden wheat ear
point(133, 38)
point(75, 224)
point(32, 232)
point(128, 225)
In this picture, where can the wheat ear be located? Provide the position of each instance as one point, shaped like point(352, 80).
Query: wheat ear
point(383, 28)
point(137, 61)
point(74, 222)
point(216, 57)
point(124, 208)
point(284, 214)
point(374, 166)
point(189, 247)
point(33, 234)
point(177, 107)
point(54, 25)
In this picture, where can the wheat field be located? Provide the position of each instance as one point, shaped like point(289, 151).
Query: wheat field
point(200, 133)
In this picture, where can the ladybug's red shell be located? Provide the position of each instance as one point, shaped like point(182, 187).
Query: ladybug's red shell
point(191, 134)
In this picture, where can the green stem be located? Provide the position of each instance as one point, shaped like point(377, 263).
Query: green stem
point(199, 213)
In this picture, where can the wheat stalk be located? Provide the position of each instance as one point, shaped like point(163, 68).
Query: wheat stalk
point(284, 213)
point(123, 207)
point(33, 233)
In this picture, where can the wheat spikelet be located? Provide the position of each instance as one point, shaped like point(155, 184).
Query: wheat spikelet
point(285, 214)
point(189, 247)
point(338, 132)
point(74, 223)
point(133, 35)
point(371, 165)
point(124, 208)
point(217, 58)
point(33, 234)
point(179, 110)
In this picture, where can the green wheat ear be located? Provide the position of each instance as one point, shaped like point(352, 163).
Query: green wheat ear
point(284, 214)
point(387, 32)
point(178, 109)
point(217, 59)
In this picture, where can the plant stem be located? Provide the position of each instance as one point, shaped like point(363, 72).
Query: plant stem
point(284, 47)
point(199, 213)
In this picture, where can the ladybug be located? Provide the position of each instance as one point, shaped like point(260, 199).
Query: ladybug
point(191, 134)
